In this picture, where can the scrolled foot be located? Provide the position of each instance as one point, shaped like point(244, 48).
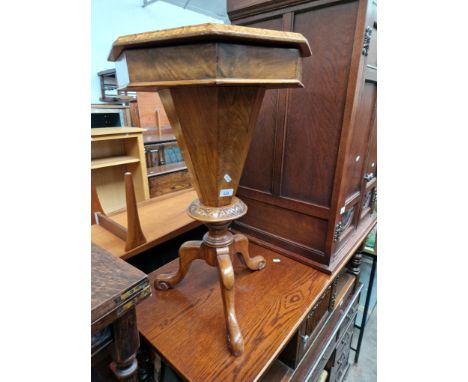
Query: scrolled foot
point(160, 284)
point(236, 346)
point(188, 252)
point(241, 247)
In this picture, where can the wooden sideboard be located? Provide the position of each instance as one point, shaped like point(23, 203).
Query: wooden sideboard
point(297, 322)
point(310, 178)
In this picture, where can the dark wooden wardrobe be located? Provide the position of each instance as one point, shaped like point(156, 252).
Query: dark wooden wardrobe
point(311, 175)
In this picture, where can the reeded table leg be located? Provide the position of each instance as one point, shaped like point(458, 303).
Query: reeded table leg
point(241, 246)
point(188, 252)
point(226, 276)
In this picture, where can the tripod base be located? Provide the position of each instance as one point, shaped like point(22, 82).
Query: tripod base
point(217, 249)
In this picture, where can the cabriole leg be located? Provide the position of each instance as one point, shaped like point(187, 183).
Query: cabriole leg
point(226, 277)
point(188, 252)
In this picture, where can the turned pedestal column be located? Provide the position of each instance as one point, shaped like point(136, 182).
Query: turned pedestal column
point(212, 79)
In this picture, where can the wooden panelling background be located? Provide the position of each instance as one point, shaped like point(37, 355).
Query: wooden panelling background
point(148, 103)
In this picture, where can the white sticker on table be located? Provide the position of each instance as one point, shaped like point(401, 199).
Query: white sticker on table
point(226, 192)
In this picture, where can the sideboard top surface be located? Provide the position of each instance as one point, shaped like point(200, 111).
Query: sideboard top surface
point(210, 32)
point(186, 324)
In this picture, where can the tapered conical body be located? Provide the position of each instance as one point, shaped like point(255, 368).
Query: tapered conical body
point(214, 126)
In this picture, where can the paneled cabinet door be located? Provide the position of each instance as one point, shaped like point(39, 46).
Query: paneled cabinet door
point(369, 181)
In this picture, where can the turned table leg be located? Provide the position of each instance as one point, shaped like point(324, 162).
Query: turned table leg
point(126, 343)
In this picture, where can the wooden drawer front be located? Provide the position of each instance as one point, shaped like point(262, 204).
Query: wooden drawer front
point(164, 184)
point(342, 370)
point(345, 341)
point(369, 202)
point(341, 355)
point(310, 327)
point(349, 319)
point(314, 321)
point(323, 361)
point(318, 312)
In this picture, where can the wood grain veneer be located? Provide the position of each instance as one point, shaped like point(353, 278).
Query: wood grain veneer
point(186, 325)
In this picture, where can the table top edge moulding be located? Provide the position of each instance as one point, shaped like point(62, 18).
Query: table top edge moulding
point(209, 32)
point(209, 55)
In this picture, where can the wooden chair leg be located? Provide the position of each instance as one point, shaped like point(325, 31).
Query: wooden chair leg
point(188, 252)
point(241, 246)
point(226, 276)
point(135, 236)
point(96, 206)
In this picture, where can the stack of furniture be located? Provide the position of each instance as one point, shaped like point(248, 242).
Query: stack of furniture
point(109, 89)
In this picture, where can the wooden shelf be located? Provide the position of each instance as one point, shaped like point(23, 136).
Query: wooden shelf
point(115, 151)
point(113, 161)
point(100, 131)
point(166, 169)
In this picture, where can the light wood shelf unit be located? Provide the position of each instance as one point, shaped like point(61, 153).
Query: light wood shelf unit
point(112, 161)
point(115, 151)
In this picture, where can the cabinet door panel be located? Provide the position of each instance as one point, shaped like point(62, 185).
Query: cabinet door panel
point(258, 170)
point(356, 157)
point(315, 113)
point(371, 163)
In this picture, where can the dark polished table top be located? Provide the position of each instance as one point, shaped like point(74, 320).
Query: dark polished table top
point(116, 287)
